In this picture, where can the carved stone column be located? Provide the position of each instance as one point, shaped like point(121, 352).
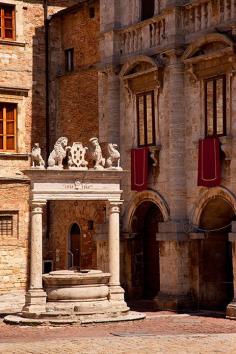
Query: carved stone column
point(36, 297)
point(116, 291)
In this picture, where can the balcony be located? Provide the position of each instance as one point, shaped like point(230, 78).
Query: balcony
point(206, 14)
point(142, 36)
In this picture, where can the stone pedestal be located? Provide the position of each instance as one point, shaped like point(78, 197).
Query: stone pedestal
point(35, 300)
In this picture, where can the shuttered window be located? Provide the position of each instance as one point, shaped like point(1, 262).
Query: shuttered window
point(7, 127)
point(215, 106)
point(7, 22)
point(146, 118)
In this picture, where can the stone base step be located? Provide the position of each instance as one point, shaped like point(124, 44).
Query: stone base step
point(72, 319)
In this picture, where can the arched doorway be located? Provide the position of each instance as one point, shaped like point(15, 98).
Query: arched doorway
point(215, 256)
point(74, 253)
point(145, 251)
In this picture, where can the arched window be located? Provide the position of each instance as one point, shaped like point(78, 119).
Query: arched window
point(74, 247)
point(147, 9)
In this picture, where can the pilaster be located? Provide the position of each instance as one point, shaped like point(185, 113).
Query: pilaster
point(174, 255)
point(231, 308)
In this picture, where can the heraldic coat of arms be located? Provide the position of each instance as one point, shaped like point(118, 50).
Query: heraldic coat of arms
point(76, 158)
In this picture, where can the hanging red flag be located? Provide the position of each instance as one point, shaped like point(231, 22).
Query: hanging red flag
point(209, 168)
point(139, 169)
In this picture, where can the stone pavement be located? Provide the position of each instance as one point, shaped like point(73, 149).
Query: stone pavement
point(159, 333)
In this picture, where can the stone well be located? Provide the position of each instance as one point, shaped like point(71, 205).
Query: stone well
point(85, 292)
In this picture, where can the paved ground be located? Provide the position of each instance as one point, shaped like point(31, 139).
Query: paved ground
point(159, 333)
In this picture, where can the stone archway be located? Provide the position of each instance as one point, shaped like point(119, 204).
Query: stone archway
point(212, 255)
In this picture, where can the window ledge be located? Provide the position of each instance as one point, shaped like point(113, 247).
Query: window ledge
point(13, 43)
point(14, 155)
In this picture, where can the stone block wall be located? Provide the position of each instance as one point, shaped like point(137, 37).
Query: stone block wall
point(14, 250)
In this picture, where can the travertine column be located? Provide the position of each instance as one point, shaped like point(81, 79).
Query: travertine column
point(36, 297)
point(116, 291)
point(114, 243)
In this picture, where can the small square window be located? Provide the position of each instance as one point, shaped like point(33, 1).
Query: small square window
point(6, 225)
point(91, 12)
point(69, 60)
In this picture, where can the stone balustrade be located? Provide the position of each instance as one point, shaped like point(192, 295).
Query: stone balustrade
point(144, 35)
point(205, 14)
point(194, 17)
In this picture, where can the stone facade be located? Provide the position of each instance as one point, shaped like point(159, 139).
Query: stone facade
point(171, 54)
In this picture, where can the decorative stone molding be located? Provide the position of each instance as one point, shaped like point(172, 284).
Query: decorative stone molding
point(58, 154)
point(218, 192)
point(138, 199)
point(36, 158)
point(154, 154)
point(191, 74)
point(226, 147)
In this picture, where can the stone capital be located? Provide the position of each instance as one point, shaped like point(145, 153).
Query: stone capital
point(37, 206)
point(114, 207)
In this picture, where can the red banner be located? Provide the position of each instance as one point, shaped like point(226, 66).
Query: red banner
point(139, 169)
point(209, 169)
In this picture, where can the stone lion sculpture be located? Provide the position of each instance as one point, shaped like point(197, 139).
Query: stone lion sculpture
point(36, 158)
point(58, 154)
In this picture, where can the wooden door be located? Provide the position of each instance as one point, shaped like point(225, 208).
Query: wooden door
point(75, 246)
point(216, 274)
point(151, 254)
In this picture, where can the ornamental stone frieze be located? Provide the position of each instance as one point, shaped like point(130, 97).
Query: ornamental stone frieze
point(77, 157)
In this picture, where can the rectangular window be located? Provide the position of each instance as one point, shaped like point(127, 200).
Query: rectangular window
point(7, 21)
point(69, 60)
point(147, 9)
point(215, 106)
point(146, 119)
point(6, 225)
point(7, 127)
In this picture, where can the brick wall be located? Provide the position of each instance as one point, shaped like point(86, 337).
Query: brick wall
point(74, 95)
